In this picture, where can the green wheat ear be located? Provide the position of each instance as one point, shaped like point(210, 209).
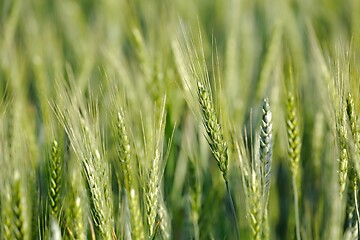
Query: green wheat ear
point(19, 206)
point(344, 151)
point(256, 217)
point(294, 140)
point(294, 149)
point(215, 135)
point(215, 138)
point(266, 142)
point(55, 179)
point(125, 158)
point(153, 192)
point(351, 207)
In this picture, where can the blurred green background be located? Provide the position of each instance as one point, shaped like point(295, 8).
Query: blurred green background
point(97, 45)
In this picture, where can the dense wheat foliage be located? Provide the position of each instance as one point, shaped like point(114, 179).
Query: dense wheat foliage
point(179, 119)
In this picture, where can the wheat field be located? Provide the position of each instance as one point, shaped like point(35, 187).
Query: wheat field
point(179, 119)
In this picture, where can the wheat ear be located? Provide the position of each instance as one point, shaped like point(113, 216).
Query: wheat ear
point(124, 152)
point(294, 149)
point(152, 192)
point(256, 216)
point(213, 129)
point(351, 207)
point(20, 223)
point(55, 179)
point(265, 151)
point(6, 212)
point(344, 152)
point(215, 138)
point(83, 129)
point(75, 210)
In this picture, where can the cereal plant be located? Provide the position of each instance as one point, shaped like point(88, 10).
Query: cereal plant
point(179, 119)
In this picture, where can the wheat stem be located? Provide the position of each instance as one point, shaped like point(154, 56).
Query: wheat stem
point(296, 206)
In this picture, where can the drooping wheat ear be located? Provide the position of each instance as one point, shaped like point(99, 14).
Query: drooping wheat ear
point(265, 152)
point(344, 152)
point(294, 149)
point(124, 152)
point(152, 192)
point(20, 223)
point(294, 140)
point(266, 142)
point(55, 179)
point(213, 129)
